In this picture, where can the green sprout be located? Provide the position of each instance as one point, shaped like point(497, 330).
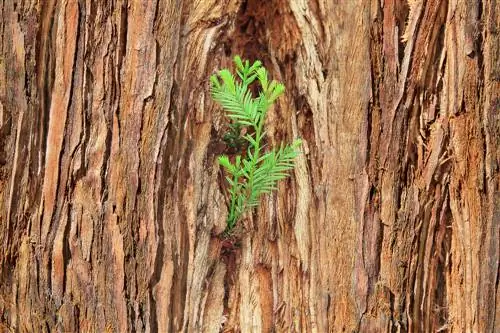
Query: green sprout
point(258, 171)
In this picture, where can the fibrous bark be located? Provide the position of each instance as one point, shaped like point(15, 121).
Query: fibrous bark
point(112, 209)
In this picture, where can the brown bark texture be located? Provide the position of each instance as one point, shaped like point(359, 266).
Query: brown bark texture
point(112, 204)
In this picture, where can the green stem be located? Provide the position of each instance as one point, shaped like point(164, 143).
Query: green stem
point(256, 154)
point(233, 214)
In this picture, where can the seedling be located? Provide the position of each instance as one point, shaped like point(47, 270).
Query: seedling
point(256, 172)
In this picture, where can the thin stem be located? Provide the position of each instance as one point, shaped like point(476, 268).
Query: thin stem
point(255, 156)
point(232, 214)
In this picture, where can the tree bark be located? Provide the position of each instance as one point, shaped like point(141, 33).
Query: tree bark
point(111, 204)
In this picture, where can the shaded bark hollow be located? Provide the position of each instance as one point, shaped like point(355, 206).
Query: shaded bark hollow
point(111, 203)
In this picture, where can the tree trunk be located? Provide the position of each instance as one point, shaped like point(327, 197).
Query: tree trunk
point(111, 204)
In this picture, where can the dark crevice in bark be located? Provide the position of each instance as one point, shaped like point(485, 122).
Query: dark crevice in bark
point(158, 264)
point(373, 130)
point(109, 111)
point(121, 53)
point(106, 164)
point(248, 39)
point(76, 175)
point(66, 253)
point(479, 95)
point(86, 117)
point(165, 189)
point(157, 15)
point(131, 315)
point(229, 254)
point(305, 126)
point(401, 18)
point(45, 64)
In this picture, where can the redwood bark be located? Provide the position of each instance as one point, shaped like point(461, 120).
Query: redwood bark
point(111, 204)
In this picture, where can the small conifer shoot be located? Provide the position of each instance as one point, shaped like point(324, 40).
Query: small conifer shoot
point(257, 172)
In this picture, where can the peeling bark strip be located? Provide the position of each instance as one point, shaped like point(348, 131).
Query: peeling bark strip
point(111, 204)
